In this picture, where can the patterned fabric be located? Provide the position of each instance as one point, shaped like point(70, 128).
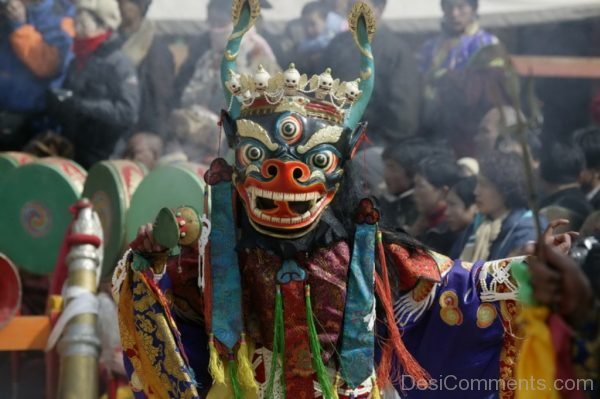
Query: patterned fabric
point(413, 267)
point(358, 341)
point(182, 289)
point(327, 269)
point(226, 312)
point(262, 364)
point(154, 359)
point(298, 371)
point(456, 334)
point(586, 353)
point(459, 336)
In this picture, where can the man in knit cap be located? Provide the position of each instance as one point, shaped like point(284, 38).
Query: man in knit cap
point(100, 100)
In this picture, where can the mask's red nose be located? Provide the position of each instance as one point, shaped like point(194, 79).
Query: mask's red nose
point(285, 176)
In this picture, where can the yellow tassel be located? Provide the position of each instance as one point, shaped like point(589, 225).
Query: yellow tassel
point(245, 370)
point(336, 385)
point(376, 394)
point(216, 368)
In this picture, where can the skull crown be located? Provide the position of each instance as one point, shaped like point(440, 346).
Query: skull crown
point(291, 85)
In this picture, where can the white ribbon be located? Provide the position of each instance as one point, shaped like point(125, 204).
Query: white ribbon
point(79, 301)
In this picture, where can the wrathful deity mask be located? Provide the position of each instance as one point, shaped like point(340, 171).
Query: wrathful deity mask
point(292, 135)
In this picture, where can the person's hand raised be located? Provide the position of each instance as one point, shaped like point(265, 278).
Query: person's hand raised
point(559, 283)
point(560, 242)
point(145, 243)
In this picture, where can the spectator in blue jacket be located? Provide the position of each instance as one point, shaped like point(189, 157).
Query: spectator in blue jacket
point(35, 49)
point(504, 225)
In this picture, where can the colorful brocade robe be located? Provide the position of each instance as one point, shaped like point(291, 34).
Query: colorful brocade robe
point(457, 320)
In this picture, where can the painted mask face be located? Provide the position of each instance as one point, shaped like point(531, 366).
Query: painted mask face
point(292, 136)
point(288, 169)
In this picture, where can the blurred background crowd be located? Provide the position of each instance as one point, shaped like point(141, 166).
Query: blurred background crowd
point(92, 80)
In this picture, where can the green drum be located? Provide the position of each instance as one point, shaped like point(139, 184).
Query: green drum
point(168, 186)
point(110, 186)
point(12, 160)
point(34, 211)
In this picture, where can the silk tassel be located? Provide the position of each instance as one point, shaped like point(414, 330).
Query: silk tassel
point(233, 378)
point(278, 345)
point(245, 370)
point(216, 368)
point(376, 393)
point(315, 347)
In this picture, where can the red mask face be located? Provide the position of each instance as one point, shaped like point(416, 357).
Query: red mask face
point(288, 170)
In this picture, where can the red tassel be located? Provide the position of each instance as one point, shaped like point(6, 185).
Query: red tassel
point(384, 369)
point(393, 343)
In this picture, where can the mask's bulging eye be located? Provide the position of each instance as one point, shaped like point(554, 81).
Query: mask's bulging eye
point(325, 160)
point(290, 129)
point(251, 153)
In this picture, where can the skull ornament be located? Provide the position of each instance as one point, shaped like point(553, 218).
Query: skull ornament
point(352, 91)
point(234, 84)
point(325, 85)
point(261, 80)
point(291, 80)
